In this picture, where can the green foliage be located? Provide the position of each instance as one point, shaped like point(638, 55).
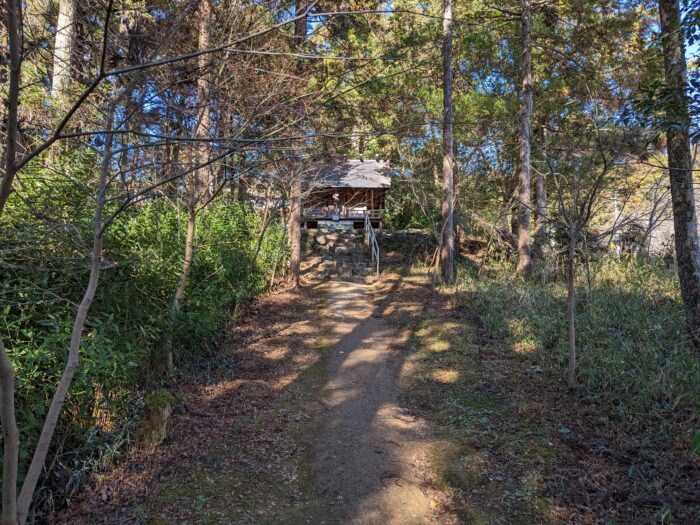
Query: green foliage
point(403, 209)
point(44, 268)
point(631, 343)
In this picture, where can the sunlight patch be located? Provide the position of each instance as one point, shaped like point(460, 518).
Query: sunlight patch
point(446, 376)
point(300, 328)
point(425, 331)
point(439, 345)
point(286, 380)
point(525, 347)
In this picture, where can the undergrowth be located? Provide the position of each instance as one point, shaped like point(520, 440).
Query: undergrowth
point(43, 270)
point(515, 445)
point(632, 349)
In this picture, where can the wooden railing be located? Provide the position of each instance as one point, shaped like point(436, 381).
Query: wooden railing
point(318, 213)
point(371, 240)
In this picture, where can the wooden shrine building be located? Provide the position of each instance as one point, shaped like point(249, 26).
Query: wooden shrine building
point(345, 192)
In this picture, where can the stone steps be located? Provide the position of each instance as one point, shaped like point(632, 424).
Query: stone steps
point(338, 256)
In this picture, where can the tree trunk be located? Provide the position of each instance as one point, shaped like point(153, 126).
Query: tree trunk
point(203, 177)
point(447, 253)
point(571, 308)
point(524, 255)
point(679, 166)
point(14, 45)
point(42, 448)
point(295, 231)
point(295, 210)
point(180, 291)
point(7, 374)
point(10, 436)
point(63, 48)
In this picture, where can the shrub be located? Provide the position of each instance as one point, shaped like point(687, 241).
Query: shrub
point(44, 268)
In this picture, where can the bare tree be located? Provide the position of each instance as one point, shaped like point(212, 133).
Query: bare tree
point(7, 374)
point(580, 171)
point(295, 206)
point(198, 182)
point(42, 448)
point(16, 509)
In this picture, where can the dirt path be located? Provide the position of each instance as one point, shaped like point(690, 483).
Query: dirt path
point(297, 420)
point(366, 459)
point(301, 418)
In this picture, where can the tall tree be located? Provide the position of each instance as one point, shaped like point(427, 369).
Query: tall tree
point(540, 237)
point(202, 130)
point(198, 183)
point(524, 251)
point(680, 165)
point(295, 210)
point(447, 255)
point(8, 418)
point(63, 47)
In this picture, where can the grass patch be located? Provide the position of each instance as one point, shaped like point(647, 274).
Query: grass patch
point(486, 364)
point(631, 344)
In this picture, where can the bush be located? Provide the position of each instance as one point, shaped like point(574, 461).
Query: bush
point(44, 267)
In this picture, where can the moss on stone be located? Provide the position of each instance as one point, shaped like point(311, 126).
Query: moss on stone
point(159, 399)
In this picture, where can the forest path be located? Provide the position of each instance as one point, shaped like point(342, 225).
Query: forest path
point(297, 420)
point(366, 459)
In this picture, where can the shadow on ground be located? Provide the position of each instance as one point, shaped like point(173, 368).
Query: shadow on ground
point(232, 455)
point(514, 445)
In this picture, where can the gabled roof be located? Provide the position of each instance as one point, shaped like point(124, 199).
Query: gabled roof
point(354, 173)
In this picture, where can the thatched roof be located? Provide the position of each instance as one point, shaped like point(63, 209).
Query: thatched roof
point(354, 173)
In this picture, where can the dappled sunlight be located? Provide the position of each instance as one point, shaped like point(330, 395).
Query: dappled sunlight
point(426, 330)
point(229, 456)
point(304, 360)
point(372, 477)
point(338, 395)
point(301, 328)
point(285, 381)
point(362, 358)
point(278, 354)
point(521, 335)
point(391, 310)
point(240, 385)
point(438, 345)
point(525, 347)
point(446, 376)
